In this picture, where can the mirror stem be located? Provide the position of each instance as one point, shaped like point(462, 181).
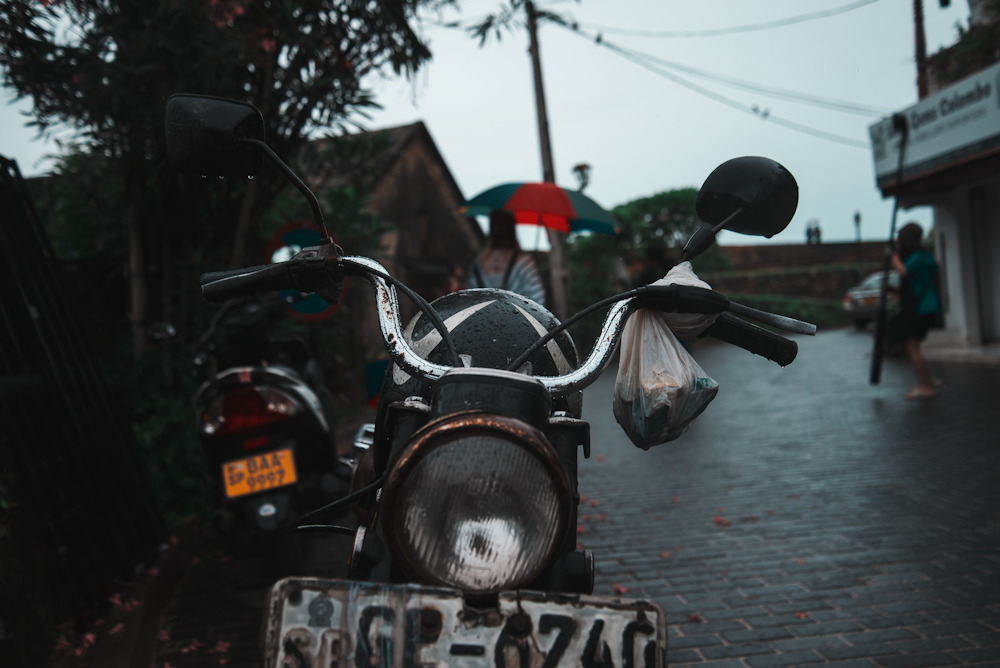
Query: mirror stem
point(703, 237)
point(718, 228)
point(297, 182)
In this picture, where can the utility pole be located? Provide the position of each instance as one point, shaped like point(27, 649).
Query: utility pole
point(921, 42)
point(558, 271)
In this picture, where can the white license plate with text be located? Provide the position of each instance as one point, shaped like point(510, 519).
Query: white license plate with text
point(344, 624)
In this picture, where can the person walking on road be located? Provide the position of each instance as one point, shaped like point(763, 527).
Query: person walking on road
point(920, 303)
point(503, 265)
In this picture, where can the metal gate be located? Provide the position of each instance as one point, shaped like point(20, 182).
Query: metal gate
point(70, 445)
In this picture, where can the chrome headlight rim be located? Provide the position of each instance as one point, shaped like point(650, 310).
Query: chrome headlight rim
point(446, 430)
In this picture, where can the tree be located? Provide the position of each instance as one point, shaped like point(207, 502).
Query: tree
point(668, 218)
point(107, 67)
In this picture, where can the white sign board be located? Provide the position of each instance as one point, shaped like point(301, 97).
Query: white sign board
point(962, 116)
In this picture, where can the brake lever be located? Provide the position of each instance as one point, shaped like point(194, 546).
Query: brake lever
point(315, 269)
point(773, 319)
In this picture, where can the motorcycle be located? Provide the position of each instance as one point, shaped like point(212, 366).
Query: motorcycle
point(263, 418)
point(466, 487)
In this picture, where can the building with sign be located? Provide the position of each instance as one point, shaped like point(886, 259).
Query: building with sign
point(951, 162)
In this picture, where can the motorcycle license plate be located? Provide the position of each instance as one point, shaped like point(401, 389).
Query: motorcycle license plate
point(342, 624)
point(259, 473)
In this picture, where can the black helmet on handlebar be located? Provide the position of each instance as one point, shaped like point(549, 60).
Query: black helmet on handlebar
point(469, 316)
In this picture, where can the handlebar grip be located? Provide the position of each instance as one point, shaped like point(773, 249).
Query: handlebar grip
point(213, 276)
point(755, 339)
point(259, 279)
point(684, 298)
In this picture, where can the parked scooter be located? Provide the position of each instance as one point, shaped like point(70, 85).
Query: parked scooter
point(468, 491)
point(263, 418)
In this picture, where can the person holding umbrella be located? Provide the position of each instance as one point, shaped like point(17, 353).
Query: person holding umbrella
point(503, 264)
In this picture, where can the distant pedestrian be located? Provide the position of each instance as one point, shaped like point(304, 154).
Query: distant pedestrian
point(503, 264)
point(920, 304)
point(813, 233)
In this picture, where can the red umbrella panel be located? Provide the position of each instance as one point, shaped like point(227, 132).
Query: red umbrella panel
point(544, 204)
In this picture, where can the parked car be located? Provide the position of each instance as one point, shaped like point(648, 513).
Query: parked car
point(861, 301)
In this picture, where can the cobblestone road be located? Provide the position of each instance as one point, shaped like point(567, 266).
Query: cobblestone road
point(807, 517)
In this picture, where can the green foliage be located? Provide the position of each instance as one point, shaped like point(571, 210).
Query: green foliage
point(301, 63)
point(592, 263)
point(87, 209)
point(161, 385)
point(107, 67)
point(344, 206)
point(668, 218)
point(977, 47)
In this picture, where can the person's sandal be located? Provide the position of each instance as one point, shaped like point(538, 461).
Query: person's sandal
point(917, 393)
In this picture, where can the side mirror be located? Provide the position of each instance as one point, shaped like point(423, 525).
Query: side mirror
point(764, 190)
point(204, 136)
point(749, 195)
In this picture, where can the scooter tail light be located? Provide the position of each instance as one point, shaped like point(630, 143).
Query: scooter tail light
point(247, 409)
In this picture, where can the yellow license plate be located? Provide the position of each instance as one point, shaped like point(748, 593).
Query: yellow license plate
point(869, 300)
point(259, 473)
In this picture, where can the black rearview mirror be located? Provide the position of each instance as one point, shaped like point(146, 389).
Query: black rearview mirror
point(204, 136)
point(761, 190)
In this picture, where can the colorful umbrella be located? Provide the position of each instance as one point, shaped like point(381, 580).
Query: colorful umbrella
point(544, 204)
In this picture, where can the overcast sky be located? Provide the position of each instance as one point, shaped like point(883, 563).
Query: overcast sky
point(642, 133)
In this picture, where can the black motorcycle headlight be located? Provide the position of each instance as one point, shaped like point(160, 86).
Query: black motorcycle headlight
point(477, 502)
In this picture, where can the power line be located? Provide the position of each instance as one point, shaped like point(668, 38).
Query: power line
point(792, 125)
point(780, 93)
point(644, 61)
point(733, 29)
point(815, 100)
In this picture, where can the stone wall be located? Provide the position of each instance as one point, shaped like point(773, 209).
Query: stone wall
point(784, 256)
point(815, 272)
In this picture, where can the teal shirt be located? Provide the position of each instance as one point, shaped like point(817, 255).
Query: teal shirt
point(921, 271)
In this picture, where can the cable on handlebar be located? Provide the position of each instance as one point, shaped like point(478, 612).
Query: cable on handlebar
point(297, 182)
point(421, 303)
point(651, 291)
point(329, 508)
point(516, 364)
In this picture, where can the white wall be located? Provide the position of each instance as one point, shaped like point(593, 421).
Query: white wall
point(948, 247)
point(967, 241)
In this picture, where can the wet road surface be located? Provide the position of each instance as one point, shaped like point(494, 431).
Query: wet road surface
point(808, 517)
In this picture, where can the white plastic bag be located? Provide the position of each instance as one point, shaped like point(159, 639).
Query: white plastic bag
point(686, 325)
point(660, 389)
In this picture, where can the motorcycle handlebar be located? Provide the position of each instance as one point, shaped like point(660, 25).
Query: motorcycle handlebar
point(219, 286)
point(222, 285)
point(211, 276)
point(757, 340)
